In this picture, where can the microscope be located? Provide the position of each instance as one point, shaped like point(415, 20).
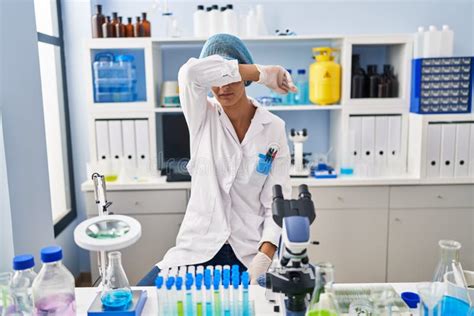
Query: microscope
point(293, 276)
point(299, 168)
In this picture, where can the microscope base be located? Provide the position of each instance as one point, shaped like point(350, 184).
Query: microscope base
point(304, 173)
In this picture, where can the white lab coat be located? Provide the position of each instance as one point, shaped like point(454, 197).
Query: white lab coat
point(230, 201)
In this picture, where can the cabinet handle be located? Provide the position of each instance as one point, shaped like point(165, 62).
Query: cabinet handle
point(340, 199)
point(439, 196)
point(137, 203)
point(397, 220)
point(315, 242)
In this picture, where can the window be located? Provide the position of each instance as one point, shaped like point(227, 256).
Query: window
point(55, 108)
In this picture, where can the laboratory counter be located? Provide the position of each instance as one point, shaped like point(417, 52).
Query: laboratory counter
point(84, 297)
point(160, 183)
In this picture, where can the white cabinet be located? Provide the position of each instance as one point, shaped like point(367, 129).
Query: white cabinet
point(160, 212)
point(419, 218)
point(355, 241)
point(351, 227)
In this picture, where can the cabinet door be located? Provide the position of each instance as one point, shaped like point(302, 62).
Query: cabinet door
point(413, 240)
point(159, 233)
point(355, 241)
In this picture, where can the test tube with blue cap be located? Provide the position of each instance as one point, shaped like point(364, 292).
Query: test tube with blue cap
point(199, 280)
point(235, 294)
point(189, 294)
point(217, 293)
point(207, 284)
point(160, 294)
point(179, 296)
point(171, 299)
point(245, 294)
point(225, 284)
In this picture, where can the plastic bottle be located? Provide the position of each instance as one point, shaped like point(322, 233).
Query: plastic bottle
point(22, 281)
point(418, 43)
point(250, 29)
point(324, 77)
point(120, 28)
point(129, 28)
point(290, 96)
point(53, 288)
point(108, 28)
point(261, 26)
point(359, 79)
point(432, 42)
point(447, 42)
point(229, 20)
point(199, 22)
point(214, 20)
point(146, 26)
point(301, 82)
point(374, 79)
point(97, 20)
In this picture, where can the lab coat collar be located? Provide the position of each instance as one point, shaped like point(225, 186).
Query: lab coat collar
point(261, 117)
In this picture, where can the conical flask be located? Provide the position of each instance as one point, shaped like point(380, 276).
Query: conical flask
point(116, 292)
point(323, 301)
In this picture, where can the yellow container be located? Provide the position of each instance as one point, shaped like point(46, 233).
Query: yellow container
point(324, 77)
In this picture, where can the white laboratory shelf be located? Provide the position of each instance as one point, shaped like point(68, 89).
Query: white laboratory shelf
point(273, 108)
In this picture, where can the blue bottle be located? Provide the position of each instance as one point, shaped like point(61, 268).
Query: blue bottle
point(301, 82)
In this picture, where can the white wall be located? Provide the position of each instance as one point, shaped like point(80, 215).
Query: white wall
point(304, 17)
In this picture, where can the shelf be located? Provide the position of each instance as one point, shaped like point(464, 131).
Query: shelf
point(273, 108)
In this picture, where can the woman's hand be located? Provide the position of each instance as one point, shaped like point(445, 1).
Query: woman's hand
point(276, 78)
point(261, 262)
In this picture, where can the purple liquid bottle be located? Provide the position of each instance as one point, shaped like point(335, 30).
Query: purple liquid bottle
point(53, 288)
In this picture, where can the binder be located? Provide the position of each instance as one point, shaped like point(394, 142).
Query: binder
point(461, 161)
point(368, 144)
point(433, 150)
point(394, 138)
point(471, 151)
point(115, 138)
point(381, 142)
point(448, 147)
point(102, 140)
point(129, 146)
point(143, 144)
point(355, 140)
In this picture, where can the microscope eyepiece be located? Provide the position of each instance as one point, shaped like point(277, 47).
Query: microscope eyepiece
point(304, 192)
point(277, 192)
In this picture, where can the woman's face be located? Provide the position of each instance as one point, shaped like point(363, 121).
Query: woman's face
point(230, 94)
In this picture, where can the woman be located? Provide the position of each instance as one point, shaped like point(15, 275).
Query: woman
point(229, 218)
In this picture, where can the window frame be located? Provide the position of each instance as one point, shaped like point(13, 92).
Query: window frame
point(58, 41)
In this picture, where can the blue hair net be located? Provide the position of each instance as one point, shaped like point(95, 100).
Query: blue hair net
point(229, 47)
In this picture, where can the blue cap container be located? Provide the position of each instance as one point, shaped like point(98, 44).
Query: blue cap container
point(23, 262)
point(51, 254)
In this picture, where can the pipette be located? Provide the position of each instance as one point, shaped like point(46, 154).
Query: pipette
point(217, 293)
point(189, 295)
point(179, 296)
point(225, 284)
point(171, 299)
point(199, 309)
point(161, 296)
point(245, 294)
point(207, 284)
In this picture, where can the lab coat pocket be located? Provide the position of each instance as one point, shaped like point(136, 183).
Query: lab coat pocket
point(253, 226)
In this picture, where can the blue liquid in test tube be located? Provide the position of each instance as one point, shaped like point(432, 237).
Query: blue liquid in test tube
point(245, 294)
point(207, 285)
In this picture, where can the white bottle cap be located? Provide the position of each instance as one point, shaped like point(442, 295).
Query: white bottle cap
point(421, 29)
point(432, 28)
point(445, 27)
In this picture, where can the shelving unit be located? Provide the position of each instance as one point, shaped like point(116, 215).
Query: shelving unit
point(161, 53)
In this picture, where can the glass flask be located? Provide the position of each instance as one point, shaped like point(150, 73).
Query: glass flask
point(449, 254)
point(323, 302)
point(116, 292)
